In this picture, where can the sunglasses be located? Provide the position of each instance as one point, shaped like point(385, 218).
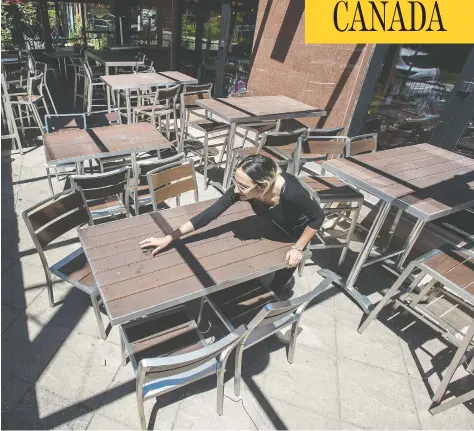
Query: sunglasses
point(243, 190)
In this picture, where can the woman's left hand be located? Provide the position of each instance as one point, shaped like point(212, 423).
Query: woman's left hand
point(293, 258)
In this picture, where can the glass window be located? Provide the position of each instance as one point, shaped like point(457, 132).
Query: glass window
point(411, 92)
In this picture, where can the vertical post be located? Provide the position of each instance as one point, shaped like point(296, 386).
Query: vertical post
point(175, 33)
point(226, 15)
point(83, 17)
point(48, 41)
point(200, 17)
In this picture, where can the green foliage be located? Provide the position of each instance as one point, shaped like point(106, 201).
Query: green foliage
point(15, 19)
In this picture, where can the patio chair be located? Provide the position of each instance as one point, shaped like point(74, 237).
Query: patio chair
point(185, 112)
point(43, 68)
point(270, 146)
point(94, 86)
point(107, 194)
point(79, 73)
point(140, 191)
point(30, 101)
point(170, 181)
point(163, 105)
point(203, 125)
point(52, 218)
point(361, 144)
point(168, 351)
point(263, 313)
point(445, 303)
point(56, 122)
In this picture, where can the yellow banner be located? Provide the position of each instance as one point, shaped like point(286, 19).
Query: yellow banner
point(388, 21)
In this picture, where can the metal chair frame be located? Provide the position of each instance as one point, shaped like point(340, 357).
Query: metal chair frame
point(92, 82)
point(45, 72)
point(273, 317)
point(354, 142)
point(48, 220)
point(451, 290)
point(102, 191)
point(153, 192)
point(160, 375)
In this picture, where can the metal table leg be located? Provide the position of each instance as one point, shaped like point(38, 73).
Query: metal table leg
point(410, 242)
point(129, 107)
point(362, 300)
point(108, 88)
point(230, 150)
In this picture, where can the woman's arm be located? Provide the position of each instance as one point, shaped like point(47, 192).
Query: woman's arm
point(294, 256)
point(197, 222)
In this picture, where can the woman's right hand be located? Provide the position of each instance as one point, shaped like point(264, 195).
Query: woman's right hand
point(158, 243)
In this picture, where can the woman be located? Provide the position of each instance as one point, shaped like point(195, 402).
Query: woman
point(272, 194)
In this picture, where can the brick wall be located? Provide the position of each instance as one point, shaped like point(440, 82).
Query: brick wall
point(325, 76)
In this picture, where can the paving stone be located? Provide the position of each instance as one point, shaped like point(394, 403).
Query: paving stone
point(375, 398)
point(458, 417)
point(13, 389)
point(349, 426)
point(85, 366)
point(99, 422)
point(119, 403)
point(9, 315)
point(310, 381)
point(318, 328)
point(42, 409)
point(376, 346)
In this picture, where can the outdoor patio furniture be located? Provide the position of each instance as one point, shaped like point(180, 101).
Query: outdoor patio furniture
point(47, 221)
point(330, 190)
point(54, 123)
point(141, 83)
point(140, 190)
point(79, 74)
point(94, 89)
point(422, 180)
point(29, 101)
point(43, 68)
point(361, 144)
point(241, 305)
point(10, 123)
point(203, 125)
point(445, 303)
point(107, 194)
point(240, 110)
point(171, 180)
point(269, 147)
point(62, 53)
point(236, 247)
point(168, 351)
point(163, 104)
point(185, 112)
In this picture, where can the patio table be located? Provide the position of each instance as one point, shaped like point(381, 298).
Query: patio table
point(111, 59)
point(62, 55)
point(236, 247)
point(135, 81)
point(77, 145)
point(422, 180)
point(240, 110)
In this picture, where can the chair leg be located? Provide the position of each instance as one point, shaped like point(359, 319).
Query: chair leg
point(124, 351)
point(239, 351)
point(49, 284)
point(52, 101)
point(141, 409)
point(98, 315)
point(50, 182)
point(75, 88)
point(292, 346)
point(355, 216)
point(220, 390)
point(205, 153)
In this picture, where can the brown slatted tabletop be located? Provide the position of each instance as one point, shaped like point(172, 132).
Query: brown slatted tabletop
point(425, 181)
point(236, 247)
point(74, 145)
point(256, 108)
point(138, 80)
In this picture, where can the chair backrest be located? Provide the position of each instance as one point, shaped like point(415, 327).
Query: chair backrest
point(279, 139)
point(55, 122)
point(324, 145)
point(177, 364)
point(292, 308)
point(327, 131)
point(34, 85)
point(145, 166)
point(103, 118)
point(104, 185)
point(189, 98)
point(53, 217)
point(192, 88)
point(87, 69)
point(171, 180)
point(168, 95)
point(361, 144)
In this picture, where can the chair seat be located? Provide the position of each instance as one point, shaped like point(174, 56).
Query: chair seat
point(76, 269)
point(332, 189)
point(105, 204)
point(261, 128)
point(208, 125)
point(159, 110)
point(27, 99)
point(240, 304)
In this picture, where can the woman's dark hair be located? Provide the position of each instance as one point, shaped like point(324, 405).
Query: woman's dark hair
point(261, 169)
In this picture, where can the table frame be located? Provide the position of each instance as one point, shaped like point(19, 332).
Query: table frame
point(234, 122)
